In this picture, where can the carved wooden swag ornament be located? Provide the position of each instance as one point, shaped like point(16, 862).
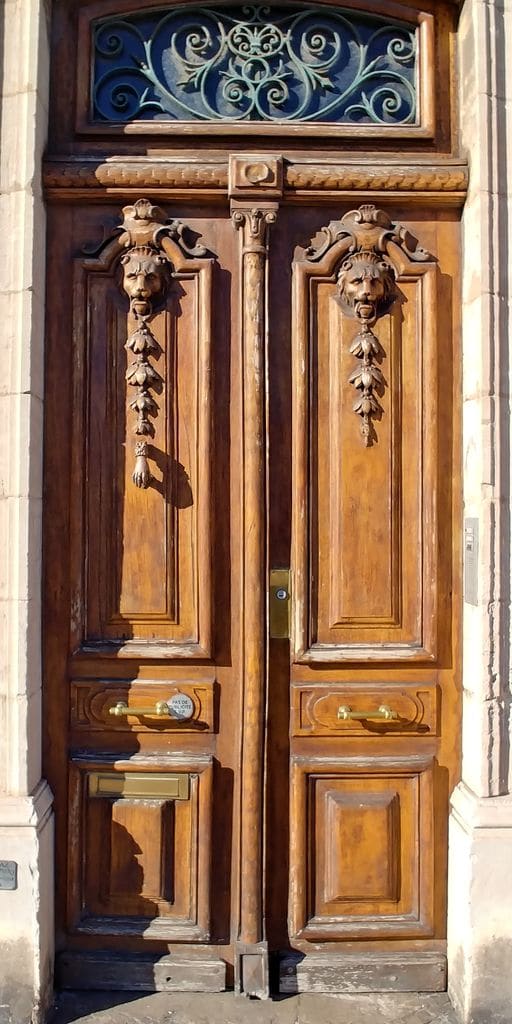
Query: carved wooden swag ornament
point(147, 271)
point(367, 289)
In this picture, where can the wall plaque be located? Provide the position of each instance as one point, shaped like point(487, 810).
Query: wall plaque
point(8, 874)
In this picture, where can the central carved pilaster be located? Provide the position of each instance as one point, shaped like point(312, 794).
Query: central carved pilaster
point(253, 220)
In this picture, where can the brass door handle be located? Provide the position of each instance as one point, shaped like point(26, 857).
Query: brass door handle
point(384, 712)
point(160, 709)
point(179, 707)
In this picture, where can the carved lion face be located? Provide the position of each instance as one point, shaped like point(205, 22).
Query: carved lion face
point(144, 278)
point(366, 286)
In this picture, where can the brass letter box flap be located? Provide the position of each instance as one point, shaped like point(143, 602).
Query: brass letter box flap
point(139, 784)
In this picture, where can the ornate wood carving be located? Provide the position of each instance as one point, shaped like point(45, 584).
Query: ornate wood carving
point(448, 180)
point(253, 222)
point(366, 287)
point(367, 291)
point(146, 272)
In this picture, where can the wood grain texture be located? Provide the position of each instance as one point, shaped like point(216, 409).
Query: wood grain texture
point(140, 973)
point(253, 223)
point(363, 972)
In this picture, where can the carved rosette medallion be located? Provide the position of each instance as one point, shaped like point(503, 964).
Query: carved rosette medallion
point(147, 272)
point(368, 242)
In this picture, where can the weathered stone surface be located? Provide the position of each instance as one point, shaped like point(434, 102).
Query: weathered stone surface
point(226, 1008)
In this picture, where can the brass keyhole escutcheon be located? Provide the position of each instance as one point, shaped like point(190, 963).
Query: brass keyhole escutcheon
point(279, 604)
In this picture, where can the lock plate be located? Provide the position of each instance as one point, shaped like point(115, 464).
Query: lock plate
point(279, 604)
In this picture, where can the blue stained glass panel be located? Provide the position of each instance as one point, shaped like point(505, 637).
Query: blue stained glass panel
point(255, 63)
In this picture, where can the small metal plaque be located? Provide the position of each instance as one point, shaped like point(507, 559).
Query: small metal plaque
point(8, 874)
point(181, 707)
point(471, 561)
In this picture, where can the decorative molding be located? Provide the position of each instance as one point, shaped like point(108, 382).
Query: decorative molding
point(257, 176)
point(366, 291)
point(84, 174)
point(380, 176)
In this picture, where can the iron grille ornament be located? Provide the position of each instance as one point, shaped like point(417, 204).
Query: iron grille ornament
point(255, 63)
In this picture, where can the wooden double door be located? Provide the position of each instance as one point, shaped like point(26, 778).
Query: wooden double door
point(251, 597)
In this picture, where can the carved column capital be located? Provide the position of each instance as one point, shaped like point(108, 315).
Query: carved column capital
point(254, 220)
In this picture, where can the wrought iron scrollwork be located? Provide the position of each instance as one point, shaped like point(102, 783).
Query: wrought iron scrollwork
point(255, 63)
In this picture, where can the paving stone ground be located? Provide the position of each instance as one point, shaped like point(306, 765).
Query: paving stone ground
point(227, 1008)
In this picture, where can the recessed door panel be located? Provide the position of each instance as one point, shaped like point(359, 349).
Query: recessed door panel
point(139, 849)
point(143, 556)
point(361, 849)
point(365, 504)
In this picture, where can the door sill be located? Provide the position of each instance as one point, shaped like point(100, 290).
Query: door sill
point(362, 972)
point(132, 972)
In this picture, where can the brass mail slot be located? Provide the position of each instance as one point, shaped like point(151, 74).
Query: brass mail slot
point(139, 785)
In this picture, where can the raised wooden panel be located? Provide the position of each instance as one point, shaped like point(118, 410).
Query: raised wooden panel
point(355, 822)
point(140, 864)
point(314, 709)
point(142, 557)
point(91, 703)
point(361, 848)
point(365, 518)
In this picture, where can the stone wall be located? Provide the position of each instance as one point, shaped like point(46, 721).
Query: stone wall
point(480, 889)
point(26, 826)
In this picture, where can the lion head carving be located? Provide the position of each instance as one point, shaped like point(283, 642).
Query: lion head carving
point(145, 275)
point(366, 284)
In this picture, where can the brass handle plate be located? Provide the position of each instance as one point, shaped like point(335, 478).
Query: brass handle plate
point(383, 713)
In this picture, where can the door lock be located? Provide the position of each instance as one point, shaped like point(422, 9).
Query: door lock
point(279, 604)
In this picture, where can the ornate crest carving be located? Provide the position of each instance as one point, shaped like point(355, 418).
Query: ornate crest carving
point(367, 289)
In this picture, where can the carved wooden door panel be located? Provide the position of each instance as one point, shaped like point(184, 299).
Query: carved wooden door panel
point(251, 546)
